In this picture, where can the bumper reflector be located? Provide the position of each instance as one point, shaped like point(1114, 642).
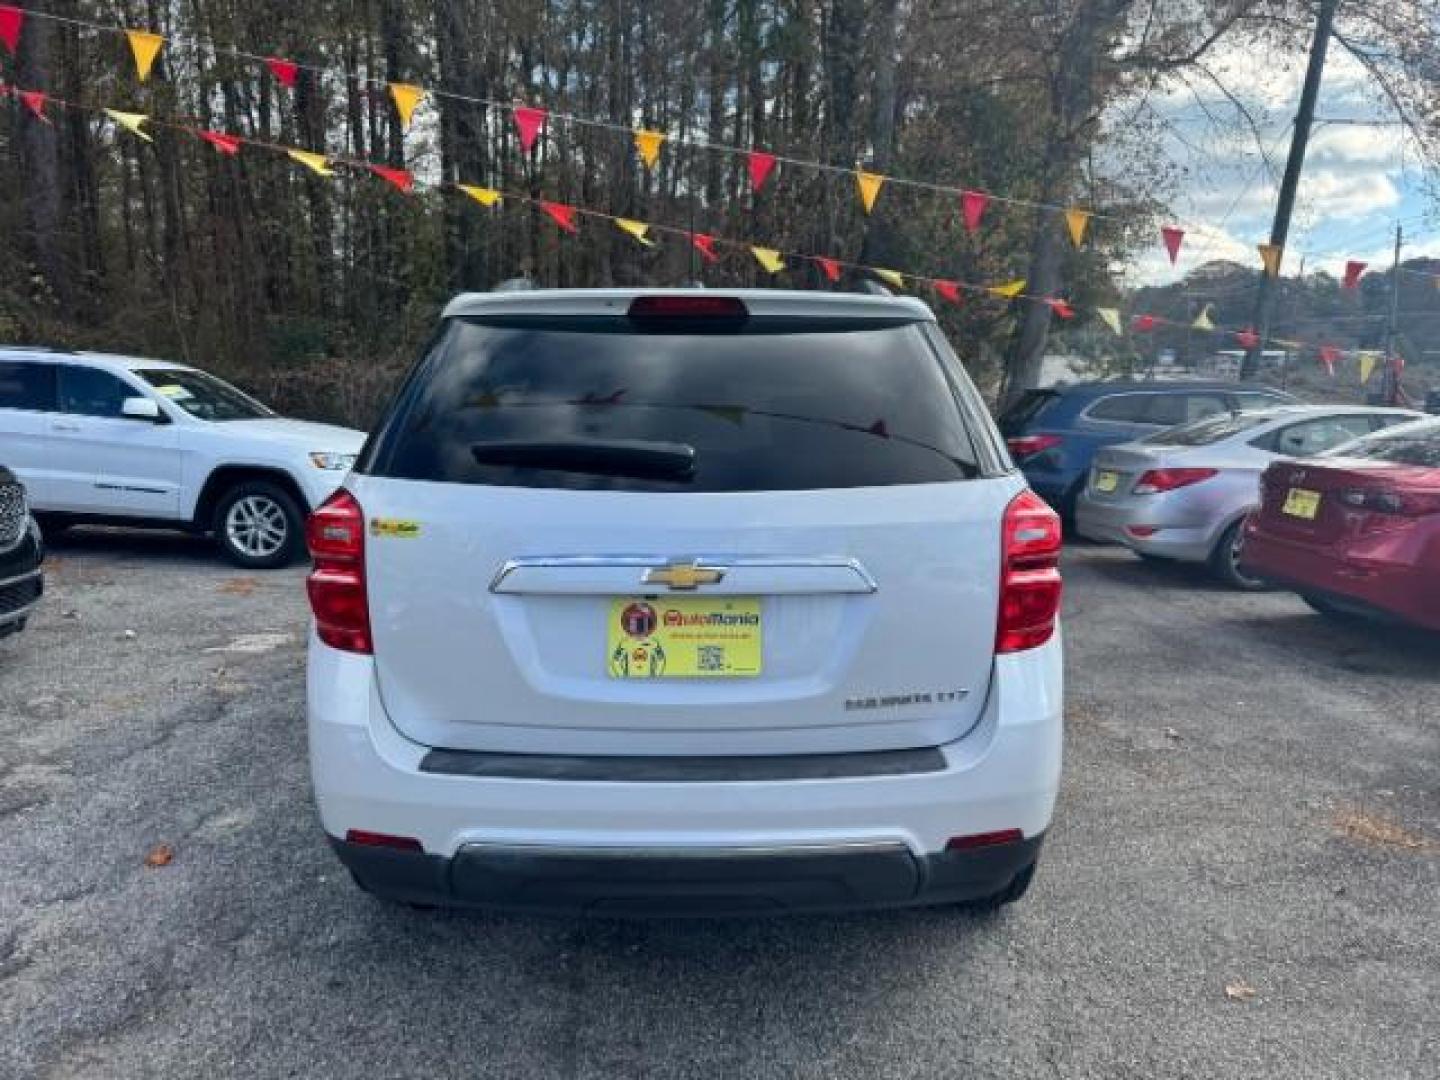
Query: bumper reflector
point(385, 840)
point(984, 840)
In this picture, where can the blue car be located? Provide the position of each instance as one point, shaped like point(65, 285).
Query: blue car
point(1053, 434)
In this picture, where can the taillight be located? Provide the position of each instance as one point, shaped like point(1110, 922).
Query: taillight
point(1023, 446)
point(335, 535)
point(1156, 481)
point(1029, 574)
point(1389, 501)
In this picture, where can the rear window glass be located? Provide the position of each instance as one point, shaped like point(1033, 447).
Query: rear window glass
point(27, 386)
point(1126, 408)
point(1028, 408)
point(1413, 444)
point(594, 404)
point(1210, 430)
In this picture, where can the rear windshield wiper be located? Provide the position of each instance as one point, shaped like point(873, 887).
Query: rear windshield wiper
point(602, 457)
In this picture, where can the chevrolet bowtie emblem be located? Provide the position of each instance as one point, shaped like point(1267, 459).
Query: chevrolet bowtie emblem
point(683, 575)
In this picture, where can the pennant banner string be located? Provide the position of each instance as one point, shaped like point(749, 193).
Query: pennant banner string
point(774, 260)
point(697, 142)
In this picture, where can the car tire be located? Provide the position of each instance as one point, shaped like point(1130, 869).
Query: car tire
point(259, 525)
point(52, 526)
point(1019, 885)
point(1225, 561)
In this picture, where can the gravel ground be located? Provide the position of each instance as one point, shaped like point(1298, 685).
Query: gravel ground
point(1250, 802)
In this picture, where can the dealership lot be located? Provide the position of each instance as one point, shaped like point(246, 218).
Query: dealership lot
point(1243, 878)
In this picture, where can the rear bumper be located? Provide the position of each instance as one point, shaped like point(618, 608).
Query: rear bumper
point(828, 840)
point(1178, 536)
point(689, 881)
point(1398, 587)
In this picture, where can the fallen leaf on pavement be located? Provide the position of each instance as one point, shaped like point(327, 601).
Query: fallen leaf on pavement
point(1239, 990)
point(238, 586)
point(160, 855)
point(1376, 830)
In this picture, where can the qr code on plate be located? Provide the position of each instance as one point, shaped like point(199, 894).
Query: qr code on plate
point(711, 658)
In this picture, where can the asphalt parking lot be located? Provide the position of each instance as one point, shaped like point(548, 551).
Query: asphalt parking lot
point(1244, 879)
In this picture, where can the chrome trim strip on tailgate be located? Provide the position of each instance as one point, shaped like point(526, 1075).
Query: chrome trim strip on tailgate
point(813, 574)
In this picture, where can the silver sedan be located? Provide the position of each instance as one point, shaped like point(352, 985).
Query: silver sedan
point(1183, 493)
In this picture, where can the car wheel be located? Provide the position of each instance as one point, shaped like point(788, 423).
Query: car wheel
point(1018, 887)
point(1225, 560)
point(259, 526)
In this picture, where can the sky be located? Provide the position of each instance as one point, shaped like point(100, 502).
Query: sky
point(1358, 181)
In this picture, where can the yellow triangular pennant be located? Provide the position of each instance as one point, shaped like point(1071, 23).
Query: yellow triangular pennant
point(483, 195)
point(314, 162)
point(648, 143)
point(407, 99)
point(1368, 360)
point(1076, 220)
point(769, 258)
point(890, 277)
point(1202, 321)
point(870, 185)
point(637, 229)
point(130, 121)
point(1110, 317)
point(1010, 289)
point(1270, 256)
point(145, 46)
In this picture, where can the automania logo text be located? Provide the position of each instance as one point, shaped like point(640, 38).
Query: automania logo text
point(675, 618)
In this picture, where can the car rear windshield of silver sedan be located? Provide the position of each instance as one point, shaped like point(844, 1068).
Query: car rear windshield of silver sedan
point(597, 404)
point(1210, 430)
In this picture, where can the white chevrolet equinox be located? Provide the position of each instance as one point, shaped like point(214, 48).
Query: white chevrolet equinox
point(128, 441)
point(678, 602)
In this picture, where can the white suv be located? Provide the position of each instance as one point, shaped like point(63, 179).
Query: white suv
point(682, 602)
point(120, 440)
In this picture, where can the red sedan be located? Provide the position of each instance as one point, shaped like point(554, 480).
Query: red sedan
point(1356, 530)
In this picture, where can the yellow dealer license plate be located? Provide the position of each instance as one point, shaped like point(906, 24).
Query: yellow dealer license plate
point(1106, 480)
point(1302, 503)
point(690, 637)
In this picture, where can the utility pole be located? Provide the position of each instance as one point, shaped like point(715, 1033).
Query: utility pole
point(1299, 140)
point(1390, 380)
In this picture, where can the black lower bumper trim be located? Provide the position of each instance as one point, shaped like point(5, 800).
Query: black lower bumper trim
point(710, 882)
point(698, 769)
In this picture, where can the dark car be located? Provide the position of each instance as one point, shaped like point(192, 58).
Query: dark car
point(1357, 530)
point(21, 550)
point(1053, 434)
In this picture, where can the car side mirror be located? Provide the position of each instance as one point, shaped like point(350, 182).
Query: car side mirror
point(142, 408)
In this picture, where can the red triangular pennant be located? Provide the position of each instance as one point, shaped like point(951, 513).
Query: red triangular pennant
point(1143, 322)
point(1060, 307)
point(400, 178)
point(705, 244)
point(11, 19)
point(950, 290)
point(760, 165)
point(226, 144)
point(1247, 338)
point(528, 122)
point(1172, 237)
point(1353, 270)
point(829, 267)
point(287, 71)
point(562, 215)
point(35, 101)
point(1329, 356)
point(972, 208)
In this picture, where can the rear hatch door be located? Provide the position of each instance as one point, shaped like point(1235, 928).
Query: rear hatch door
point(545, 578)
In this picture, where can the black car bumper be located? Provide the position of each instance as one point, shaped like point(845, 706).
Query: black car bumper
point(709, 882)
point(21, 582)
